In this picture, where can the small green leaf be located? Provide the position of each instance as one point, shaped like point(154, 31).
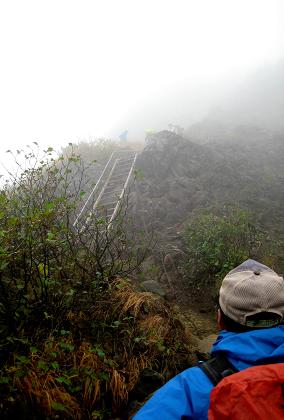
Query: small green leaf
point(98, 351)
point(50, 236)
point(70, 292)
point(54, 365)
point(115, 324)
point(22, 359)
point(64, 332)
point(104, 376)
point(58, 406)
point(63, 380)
point(41, 364)
point(3, 265)
point(67, 346)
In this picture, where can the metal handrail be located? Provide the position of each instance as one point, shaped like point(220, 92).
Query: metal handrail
point(94, 190)
point(122, 193)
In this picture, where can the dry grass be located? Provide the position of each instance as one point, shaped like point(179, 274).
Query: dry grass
point(43, 392)
point(129, 301)
point(155, 327)
point(85, 357)
point(76, 316)
point(133, 369)
point(130, 331)
point(91, 391)
point(118, 389)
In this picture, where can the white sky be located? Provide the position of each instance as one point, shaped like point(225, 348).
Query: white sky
point(71, 70)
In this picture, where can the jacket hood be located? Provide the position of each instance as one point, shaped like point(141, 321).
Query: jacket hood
point(253, 347)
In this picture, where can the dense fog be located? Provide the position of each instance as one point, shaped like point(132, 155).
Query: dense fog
point(256, 100)
point(142, 149)
point(107, 67)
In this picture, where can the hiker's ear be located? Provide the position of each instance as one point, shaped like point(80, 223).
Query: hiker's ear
point(220, 321)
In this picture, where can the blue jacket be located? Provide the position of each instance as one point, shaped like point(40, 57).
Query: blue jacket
point(186, 396)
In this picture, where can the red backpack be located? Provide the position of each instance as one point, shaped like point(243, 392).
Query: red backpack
point(256, 393)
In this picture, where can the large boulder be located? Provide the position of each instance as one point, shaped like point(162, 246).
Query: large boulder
point(153, 287)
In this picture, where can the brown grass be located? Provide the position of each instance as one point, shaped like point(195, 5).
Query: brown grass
point(155, 327)
point(118, 389)
point(92, 386)
point(43, 392)
point(76, 316)
point(133, 369)
point(86, 358)
point(129, 301)
point(91, 391)
point(106, 379)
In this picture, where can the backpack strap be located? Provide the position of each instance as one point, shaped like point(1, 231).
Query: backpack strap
point(217, 368)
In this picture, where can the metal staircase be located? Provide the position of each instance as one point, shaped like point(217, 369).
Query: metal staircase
point(106, 198)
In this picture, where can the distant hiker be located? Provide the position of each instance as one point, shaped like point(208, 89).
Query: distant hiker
point(123, 136)
point(244, 378)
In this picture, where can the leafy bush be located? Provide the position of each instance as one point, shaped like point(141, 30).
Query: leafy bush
point(90, 369)
point(73, 338)
point(216, 244)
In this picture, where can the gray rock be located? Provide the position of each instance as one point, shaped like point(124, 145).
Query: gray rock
point(153, 287)
point(149, 269)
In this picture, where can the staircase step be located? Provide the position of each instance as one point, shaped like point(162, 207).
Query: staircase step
point(125, 164)
point(125, 160)
point(112, 191)
point(107, 203)
point(121, 174)
point(116, 181)
point(112, 185)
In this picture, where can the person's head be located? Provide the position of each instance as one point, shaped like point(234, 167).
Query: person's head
point(251, 297)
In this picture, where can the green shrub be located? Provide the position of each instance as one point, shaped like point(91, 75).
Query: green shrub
point(216, 244)
point(73, 336)
point(46, 265)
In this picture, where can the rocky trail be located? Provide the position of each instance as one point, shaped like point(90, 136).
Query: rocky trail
point(201, 328)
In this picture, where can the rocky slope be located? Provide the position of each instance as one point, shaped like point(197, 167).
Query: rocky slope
point(180, 175)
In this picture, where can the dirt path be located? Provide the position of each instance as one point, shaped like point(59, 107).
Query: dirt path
point(201, 328)
point(204, 345)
